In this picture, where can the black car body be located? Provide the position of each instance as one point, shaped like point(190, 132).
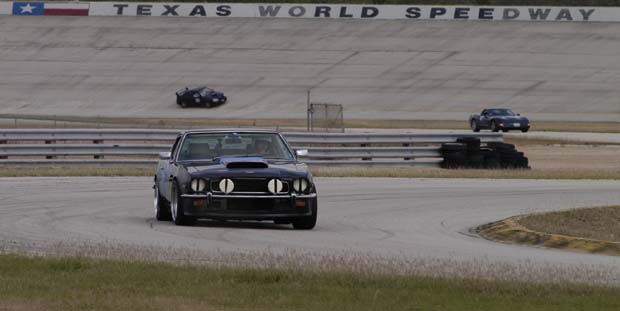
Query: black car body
point(200, 96)
point(498, 119)
point(240, 175)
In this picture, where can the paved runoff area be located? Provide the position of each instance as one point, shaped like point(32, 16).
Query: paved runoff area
point(388, 217)
point(378, 69)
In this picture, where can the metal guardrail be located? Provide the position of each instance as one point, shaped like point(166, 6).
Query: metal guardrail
point(323, 148)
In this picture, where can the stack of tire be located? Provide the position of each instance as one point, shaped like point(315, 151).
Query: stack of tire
point(467, 152)
point(509, 156)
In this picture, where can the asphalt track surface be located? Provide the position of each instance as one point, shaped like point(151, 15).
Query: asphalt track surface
point(416, 218)
point(381, 69)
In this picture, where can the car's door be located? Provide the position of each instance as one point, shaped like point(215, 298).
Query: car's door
point(168, 169)
point(197, 98)
point(484, 119)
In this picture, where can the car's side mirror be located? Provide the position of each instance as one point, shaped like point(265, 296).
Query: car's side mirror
point(301, 152)
point(164, 155)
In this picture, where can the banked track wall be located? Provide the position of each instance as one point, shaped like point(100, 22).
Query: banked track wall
point(376, 68)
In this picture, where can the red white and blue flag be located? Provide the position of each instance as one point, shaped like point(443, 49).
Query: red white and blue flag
point(50, 8)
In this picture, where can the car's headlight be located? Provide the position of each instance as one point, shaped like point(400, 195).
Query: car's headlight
point(275, 186)
point(198, 184)
point(300, 184)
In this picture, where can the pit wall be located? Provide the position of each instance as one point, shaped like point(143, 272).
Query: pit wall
point(333, 11)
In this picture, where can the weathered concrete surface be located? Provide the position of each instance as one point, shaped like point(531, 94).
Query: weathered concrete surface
point(427, 219)
point(113, 66)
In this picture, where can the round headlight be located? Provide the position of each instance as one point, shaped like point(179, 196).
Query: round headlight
point(300, 185)
point(275, 186)
point(198, 184)
point(227, 185)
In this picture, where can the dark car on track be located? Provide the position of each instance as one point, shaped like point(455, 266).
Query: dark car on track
point(498, 119)
point(234, 175)
point(200, 96)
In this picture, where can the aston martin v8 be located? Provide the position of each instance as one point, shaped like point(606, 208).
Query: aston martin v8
point(200, 96)
point(498, 119)
point(234, 175)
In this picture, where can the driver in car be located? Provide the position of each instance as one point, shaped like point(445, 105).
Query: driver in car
point(262, 148)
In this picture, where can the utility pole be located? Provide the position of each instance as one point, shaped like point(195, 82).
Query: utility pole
point(308, 110)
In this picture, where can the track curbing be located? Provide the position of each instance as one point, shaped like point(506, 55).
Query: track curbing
point(510, 231)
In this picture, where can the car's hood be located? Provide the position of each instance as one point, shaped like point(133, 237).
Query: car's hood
point(250, 167)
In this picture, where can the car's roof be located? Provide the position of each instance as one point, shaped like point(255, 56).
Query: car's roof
point(233, 130)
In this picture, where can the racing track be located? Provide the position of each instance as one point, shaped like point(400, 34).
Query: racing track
point(379, 69)
point(416, 218)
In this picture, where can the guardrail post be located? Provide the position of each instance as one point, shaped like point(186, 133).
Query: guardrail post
point(49, 142)
point(406, 158)
point(366, 159)
point(3, 142)
point(98, 156)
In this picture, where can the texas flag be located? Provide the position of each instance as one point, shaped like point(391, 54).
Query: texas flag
point(27, 8)
point(50, 8)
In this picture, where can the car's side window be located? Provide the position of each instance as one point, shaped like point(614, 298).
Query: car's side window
point(175, 146)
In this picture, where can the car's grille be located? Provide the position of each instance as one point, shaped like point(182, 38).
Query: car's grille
point(248, 185)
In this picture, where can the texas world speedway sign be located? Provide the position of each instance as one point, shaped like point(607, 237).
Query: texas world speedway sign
point(320, 11)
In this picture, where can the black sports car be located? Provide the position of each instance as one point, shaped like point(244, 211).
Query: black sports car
point(240, 175)
point(498, 119)
point(200, 96)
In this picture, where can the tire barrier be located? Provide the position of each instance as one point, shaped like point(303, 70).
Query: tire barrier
point(467, 152)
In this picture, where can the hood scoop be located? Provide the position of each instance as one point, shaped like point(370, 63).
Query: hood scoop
point(246, 162)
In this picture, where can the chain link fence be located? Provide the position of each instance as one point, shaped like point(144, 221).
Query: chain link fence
point(324, 117)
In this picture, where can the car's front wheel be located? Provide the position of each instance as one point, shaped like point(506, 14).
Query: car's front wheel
point(307, 222)
point(183, 104)
point(176, 207)
point(474, 126)
point(160, 205)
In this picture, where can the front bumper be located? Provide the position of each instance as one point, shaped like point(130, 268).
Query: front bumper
point(512, 126)
point(248, 206)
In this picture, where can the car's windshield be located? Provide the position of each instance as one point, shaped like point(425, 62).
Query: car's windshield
point(208, 146)
point(205, 91)
point(500, 112)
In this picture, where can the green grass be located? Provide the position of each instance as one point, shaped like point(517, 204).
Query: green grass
point(28, 283)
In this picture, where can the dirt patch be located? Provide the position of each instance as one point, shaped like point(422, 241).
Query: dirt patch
point(581, 157)
point(592, 230)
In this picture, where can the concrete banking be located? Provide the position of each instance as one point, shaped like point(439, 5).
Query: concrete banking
point(379, 69)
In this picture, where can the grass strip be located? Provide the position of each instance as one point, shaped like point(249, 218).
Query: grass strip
point(397, 172)
point(592, 230)
point(65, 121)
point(43, 283)
point(599, 223)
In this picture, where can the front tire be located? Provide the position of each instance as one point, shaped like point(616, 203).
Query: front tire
point(183, 104)
point(176, 207)
point(161, 206)
point(474, 126)
point(307, 222)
